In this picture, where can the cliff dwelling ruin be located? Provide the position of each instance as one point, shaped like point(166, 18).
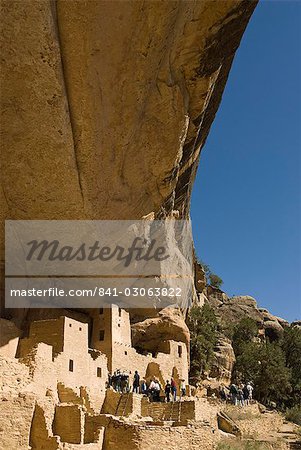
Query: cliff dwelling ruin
point(106, 106)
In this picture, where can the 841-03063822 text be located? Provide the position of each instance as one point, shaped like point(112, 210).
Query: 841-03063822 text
point(99, 292)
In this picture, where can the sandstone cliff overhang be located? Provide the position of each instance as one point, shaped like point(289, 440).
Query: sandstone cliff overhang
point(106, 105)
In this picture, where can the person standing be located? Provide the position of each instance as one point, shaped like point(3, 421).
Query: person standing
point(250, 390)
point(222, 393)
point(151, 390)
point(240, 395)
point(109, 382)
point(167, 391)
point(143, 387)
point(136, 382)
point(124, 382)
point(114, 381)
point(157, 389)
point(118, 381)
point(233, 392)
point(246, 394)
point(173, 389)
point(182, 388)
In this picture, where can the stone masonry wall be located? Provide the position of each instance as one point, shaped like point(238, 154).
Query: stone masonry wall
point(16, 415)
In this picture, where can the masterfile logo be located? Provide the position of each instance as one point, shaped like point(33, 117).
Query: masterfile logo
point(109, 247)
point(57, 263)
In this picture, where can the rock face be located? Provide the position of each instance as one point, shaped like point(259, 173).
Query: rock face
point(150, 334)
point(106, 105)
point(105, 109)
point(229, 311)
point(118, 94)
point(224, 359)
point(232, 309)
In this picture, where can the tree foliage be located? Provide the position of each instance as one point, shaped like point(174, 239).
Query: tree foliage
point(274, 368)
point(215, 280)
point(291, 346)
point(245, 331)
point(264, 365)
point(202, 324)
point(211, 278)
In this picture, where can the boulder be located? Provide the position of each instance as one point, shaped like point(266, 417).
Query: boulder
point(226, 424)
point(267, 316)
point(284, 323)
point(224, 359)
point(217, 296)
point(273, 330)
point(168, 325)
point(236, 308)
point(243, 300)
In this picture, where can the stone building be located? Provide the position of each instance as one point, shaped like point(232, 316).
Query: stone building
point(57, 352)
point(62, 382)
point(112, 336)
point(79, 353)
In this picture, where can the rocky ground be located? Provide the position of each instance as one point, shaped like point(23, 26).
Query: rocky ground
point(262, 429)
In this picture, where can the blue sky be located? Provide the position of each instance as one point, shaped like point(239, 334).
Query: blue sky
point(246, 208)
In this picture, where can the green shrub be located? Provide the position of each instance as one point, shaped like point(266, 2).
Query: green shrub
point(245, 331)
point(215, 280)
point(202, 324)
point(291, 346)
point(211, 278)
point(294, 414)
point(264, 364)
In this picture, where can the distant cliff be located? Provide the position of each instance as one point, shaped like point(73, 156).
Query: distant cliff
point(229, 312)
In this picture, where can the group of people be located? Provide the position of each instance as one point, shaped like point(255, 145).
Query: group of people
point(170, 390)
point(120, 382)
point(238, 395)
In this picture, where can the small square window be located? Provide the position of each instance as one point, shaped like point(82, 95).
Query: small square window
point(80, 328)
point(125, 352)
point(100, 311)
point(71, 365)
point(119, 325)
point(101, 335)
point(180, 351)
point(70, 324)
point(99, 372)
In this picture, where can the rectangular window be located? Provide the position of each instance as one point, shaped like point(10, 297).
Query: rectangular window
point(180, 351)
point(99, 372)
point(101, 335)
point(100, 311)
point(119, 310)
point(70, 365)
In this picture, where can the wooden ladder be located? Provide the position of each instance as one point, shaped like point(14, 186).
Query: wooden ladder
point(122, 405)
